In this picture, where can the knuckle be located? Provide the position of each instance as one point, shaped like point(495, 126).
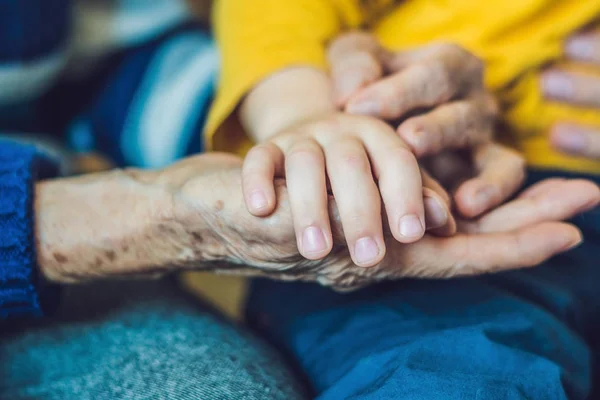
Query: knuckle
point(349, 152)
point(388, 98)
point(331, 124)
point(259, 152)
point(438, 82)
point(307, 151)
point(354, 160)
point(400, 155)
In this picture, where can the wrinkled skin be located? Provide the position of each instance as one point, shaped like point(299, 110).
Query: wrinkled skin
point(192, 216)
point(267, 246)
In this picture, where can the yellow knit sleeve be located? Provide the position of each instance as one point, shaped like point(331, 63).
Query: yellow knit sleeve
point(257, 38)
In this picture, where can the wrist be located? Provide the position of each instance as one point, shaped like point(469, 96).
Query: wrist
point(90, 227)
point(286, 99)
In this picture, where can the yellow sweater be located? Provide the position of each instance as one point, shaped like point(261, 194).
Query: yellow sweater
point(516, 38)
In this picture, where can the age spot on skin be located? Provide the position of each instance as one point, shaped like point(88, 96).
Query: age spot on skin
point(197, 237)
point(219, 205)
point(167, 230)
point(111, 255)
point(97, 262)
point(60, 258)
point(125, 248)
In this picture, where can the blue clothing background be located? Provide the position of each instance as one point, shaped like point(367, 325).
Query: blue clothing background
point(528, 334)
point(142, 104)
point(20, 288)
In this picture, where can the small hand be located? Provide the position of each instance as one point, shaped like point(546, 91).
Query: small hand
point(366, 164)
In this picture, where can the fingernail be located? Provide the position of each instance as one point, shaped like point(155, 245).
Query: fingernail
point(258, 200)
point(557, 85)
point(364, 107)
point(569, 140)
point(313, 240)
point(366, 250)
point(415, 137)
point(435, 214)
point(483, 196)
point(580, 48)
point(411, 227)
point(573, 244)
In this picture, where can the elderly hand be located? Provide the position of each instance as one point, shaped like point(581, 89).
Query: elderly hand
point(443, 85)
point(192, 216)
point(577, 89)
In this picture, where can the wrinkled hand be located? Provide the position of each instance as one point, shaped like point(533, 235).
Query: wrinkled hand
point(580, 89)
point(443, 85)
point(521, 233)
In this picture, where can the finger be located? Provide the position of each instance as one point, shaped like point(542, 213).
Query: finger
point(455, 125)
point(501, 172)
point(305, 175)
point(577, 140)
point(261, 165)
point(464, 255)
point(434, 79)
point(438, 216)
point(357, 198)
point(551, 201)
point(584, 47)
point(466, 67)
point(430, 183)
point(354, 63)
point(399, 177)
point(569, 87)
point(541, 187)
point(438, 207)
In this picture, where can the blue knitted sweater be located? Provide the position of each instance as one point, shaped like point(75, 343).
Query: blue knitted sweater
point(21, 291)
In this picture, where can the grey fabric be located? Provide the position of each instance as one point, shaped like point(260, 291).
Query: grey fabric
point(134, 341)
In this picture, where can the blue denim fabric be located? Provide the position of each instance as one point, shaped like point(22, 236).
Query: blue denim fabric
point(528, 334)
point(131, 341)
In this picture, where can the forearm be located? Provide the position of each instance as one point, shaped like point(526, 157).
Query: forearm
point(285, 99)
point(109, 225)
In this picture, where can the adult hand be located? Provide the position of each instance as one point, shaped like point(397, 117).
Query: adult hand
point(267, 246)
point(446, 81)
point(577, 89)
point(192, 216)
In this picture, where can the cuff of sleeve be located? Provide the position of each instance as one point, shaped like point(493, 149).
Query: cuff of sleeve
point(22, 291)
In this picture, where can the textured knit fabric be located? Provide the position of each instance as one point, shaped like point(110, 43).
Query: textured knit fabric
point(133, 341)
point(529, 334)
point(20, 167)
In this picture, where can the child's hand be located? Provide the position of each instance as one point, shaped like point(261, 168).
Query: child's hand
point(359, 157)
